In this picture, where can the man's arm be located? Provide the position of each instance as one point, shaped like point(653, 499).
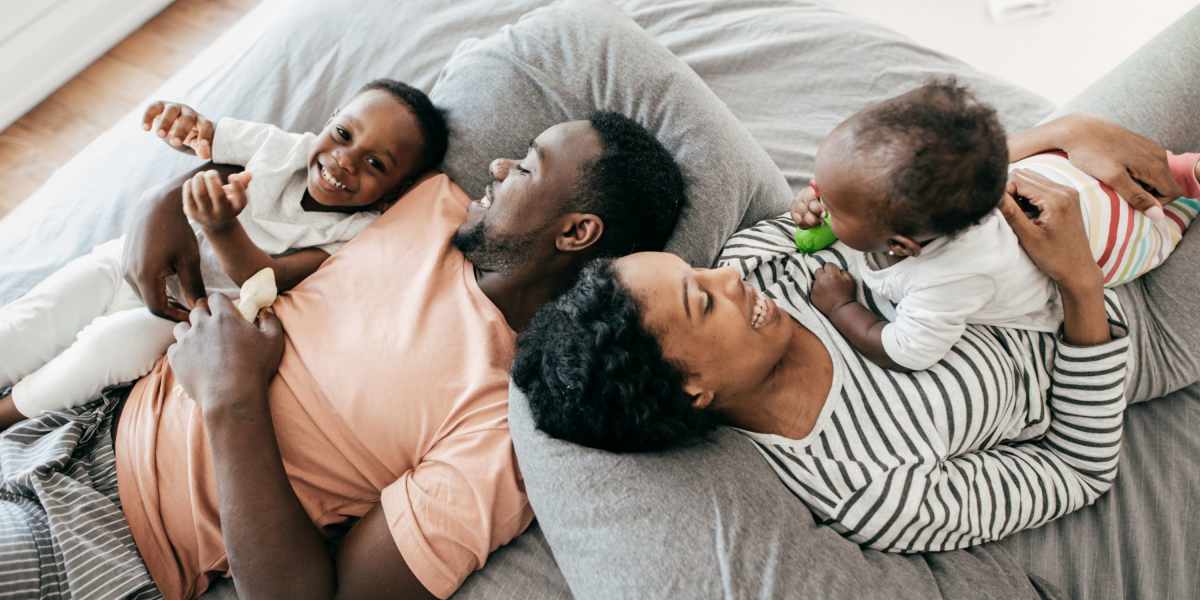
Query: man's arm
point(274, 549)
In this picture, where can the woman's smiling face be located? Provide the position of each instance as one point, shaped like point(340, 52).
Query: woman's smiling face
point(725, 335)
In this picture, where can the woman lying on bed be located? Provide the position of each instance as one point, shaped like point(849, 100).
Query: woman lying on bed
point(1012, 429)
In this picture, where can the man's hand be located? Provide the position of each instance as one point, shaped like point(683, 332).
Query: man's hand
point(180, 126)
point(213, 205)
point(217, 352)
point(832, 289)
point(159, 243)
point(807, 211)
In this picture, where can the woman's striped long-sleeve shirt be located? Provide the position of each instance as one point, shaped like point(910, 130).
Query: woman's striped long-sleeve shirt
point(1012, 429)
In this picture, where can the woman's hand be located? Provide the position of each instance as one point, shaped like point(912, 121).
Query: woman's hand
point(1055, 240)
point(218, 356)
point(1127, 162)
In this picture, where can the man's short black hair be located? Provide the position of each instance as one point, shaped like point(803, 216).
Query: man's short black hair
point(595, 376)
point(947, 157)
point(635, 187)
point(430, 118)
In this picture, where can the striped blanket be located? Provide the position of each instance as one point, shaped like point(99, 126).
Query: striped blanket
point(62, 532)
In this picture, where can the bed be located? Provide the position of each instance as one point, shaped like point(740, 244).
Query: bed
point(709, 521)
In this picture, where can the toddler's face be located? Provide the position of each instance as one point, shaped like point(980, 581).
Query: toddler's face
point(366, 151)
point(849, 194)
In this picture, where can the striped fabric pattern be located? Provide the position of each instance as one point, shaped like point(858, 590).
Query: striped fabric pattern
point(62, 532)
point(1011, 430)
point(1125, 242)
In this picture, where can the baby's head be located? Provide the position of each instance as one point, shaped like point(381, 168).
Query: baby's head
point(375, 146)
point(928, 163)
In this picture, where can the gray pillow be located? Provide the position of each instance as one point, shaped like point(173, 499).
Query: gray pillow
point(713, 521)
point(562, 62)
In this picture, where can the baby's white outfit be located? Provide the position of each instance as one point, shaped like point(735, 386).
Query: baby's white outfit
point(84, 328)
point(983, 276)
point(979, 276)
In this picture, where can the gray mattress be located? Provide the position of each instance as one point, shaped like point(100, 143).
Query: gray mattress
point(788, 71)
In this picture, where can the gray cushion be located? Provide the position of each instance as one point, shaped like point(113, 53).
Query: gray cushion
point(792, 69)
point(566, 60)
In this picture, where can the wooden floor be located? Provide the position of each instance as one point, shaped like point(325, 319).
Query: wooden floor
point(58, 128)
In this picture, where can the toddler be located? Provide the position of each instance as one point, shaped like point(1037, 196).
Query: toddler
point(915, 182)
point(299, 199)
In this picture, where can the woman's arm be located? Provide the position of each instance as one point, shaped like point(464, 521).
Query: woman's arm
point(989, 494)
point(274, 549)
point(1125, 161)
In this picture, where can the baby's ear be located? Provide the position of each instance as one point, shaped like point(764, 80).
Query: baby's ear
point(902, 245)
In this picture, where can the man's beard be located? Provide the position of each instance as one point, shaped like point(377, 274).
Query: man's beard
point(492, 253)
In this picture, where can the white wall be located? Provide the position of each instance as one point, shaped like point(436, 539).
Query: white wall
point(1056, 56)
point(44, 43)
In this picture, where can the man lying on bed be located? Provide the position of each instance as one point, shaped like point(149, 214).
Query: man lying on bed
point(390, 404)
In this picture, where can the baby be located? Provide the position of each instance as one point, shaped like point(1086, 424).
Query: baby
point(299, 199)
point(915, 182)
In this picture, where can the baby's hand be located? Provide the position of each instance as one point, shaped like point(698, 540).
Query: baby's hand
point(832, 289)
point(180, 126)
point(214, 206)
point(807, 211)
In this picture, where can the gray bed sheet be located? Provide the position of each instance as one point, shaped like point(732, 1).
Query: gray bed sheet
point(278, 65)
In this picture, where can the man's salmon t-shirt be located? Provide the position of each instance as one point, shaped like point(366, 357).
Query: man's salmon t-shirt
point(393, 389)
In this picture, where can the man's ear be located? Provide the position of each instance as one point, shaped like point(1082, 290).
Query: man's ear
point(902, 245)
point(701, 398)
point(579, 231)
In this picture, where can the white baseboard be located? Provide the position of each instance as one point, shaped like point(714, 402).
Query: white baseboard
point(59, 43)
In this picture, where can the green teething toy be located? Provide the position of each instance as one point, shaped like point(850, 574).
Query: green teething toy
point(815, 239)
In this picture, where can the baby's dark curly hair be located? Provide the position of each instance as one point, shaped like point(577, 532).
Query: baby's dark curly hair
point(595, 376)
point(947, 157)
point(635, 187)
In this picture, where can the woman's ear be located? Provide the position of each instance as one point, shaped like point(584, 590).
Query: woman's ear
point(579, 231)
point(902, 245)
point(701, 398)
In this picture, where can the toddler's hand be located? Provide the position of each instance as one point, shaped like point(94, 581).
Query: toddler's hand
point(807, 211)
point(213, 205)
point(180, 126)
point(832, 289)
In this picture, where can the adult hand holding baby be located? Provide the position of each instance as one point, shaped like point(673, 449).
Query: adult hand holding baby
point(1055, 240)
point(1125, 161)
point(1057, 243)
point(181, 127)
point(213, 205)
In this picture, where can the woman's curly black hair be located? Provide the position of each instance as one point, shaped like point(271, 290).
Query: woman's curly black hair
point(595, 376)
